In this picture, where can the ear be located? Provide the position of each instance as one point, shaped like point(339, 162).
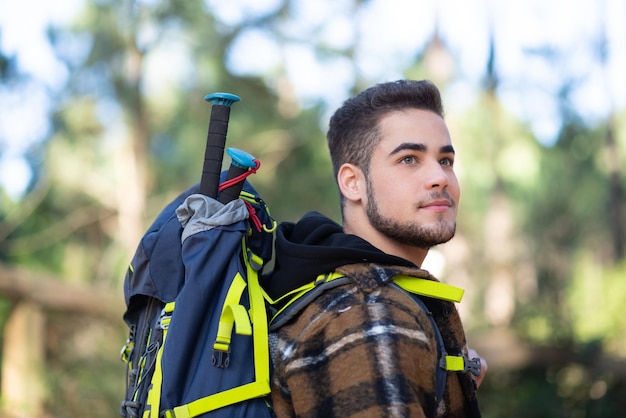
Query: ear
point(351, 182)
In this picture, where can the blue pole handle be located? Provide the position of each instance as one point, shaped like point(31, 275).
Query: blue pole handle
point(221, 99)
point(240, 158)
point(240, 163)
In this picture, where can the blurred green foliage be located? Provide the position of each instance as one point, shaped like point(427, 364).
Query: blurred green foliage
point(539, 229)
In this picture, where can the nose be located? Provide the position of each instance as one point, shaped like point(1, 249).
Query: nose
point(437, 176)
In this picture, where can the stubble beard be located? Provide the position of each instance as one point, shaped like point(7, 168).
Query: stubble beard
point(410, 233)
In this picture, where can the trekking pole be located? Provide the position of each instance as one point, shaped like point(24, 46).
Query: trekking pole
point(241, 163)
point(216, 141)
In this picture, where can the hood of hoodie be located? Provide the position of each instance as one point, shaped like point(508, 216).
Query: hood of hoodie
point(316, 245)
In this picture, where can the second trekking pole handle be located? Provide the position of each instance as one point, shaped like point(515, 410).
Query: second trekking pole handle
point(241, 163)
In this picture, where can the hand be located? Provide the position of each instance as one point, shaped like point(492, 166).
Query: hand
point(483, 366)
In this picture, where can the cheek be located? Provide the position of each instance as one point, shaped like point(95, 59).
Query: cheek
point(385, 183)
point(454, 189)
point(389, 187)
point(393, 198)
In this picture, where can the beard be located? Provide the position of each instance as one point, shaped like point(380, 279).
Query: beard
point(410, 233)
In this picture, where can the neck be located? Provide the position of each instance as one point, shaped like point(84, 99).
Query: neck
point(363, 229)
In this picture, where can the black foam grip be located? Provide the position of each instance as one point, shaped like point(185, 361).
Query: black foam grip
point(232, 192)
point(214, 152)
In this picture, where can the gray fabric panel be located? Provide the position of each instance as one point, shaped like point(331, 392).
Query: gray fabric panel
point(200, 213)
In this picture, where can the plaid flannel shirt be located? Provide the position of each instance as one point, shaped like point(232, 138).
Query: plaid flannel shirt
point(366, 349)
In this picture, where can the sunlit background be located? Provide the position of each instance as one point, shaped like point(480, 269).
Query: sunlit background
point(587, 38)
point(102, 122)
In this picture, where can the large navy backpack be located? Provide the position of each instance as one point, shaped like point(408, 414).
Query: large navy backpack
point(198, 329)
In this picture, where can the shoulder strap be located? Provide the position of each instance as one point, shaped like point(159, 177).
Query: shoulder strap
point(290, 304)
point(418, 288)
point(442, 372)
point(429, 288)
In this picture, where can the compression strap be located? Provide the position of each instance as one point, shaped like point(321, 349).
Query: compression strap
point(153, 403)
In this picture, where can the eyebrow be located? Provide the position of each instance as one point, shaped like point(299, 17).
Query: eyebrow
point(446, 149)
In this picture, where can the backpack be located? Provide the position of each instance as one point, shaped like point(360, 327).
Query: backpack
point(198, 338)
point(189, 328)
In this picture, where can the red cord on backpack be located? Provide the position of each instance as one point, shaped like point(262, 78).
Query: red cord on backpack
point(240, 178)
point(228, 183)
point(253, 216)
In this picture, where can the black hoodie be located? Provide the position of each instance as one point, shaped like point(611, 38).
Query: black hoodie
point(317, 245)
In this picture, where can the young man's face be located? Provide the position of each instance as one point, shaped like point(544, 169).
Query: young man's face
point(412, 190)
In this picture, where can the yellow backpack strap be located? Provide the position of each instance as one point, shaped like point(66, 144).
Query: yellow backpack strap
point(261, 385)
point(153, 402)
point(429, 288)
point(296, 293)
point(232, 313)
point(438, 290)
point(294, 300)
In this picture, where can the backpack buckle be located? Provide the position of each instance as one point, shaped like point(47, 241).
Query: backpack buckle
point(473, 366)
point(460, 364)
point(130, 344)
point(221, 359)
point(166, 316)
point(127, 350)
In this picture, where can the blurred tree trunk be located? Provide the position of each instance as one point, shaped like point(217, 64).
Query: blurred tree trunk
point(617, 195)
point(23, 387)
point(23, 352)
point(500, 237)
point(617, 211)
point(132, 160)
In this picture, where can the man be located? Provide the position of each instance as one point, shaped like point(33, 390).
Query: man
point(365, 348)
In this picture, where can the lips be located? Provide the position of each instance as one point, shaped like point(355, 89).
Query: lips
point(437, 203)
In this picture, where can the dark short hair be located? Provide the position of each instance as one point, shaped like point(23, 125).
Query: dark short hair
point(354, 128)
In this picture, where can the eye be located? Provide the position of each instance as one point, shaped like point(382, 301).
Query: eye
point(447, 162)
point(407, 160)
